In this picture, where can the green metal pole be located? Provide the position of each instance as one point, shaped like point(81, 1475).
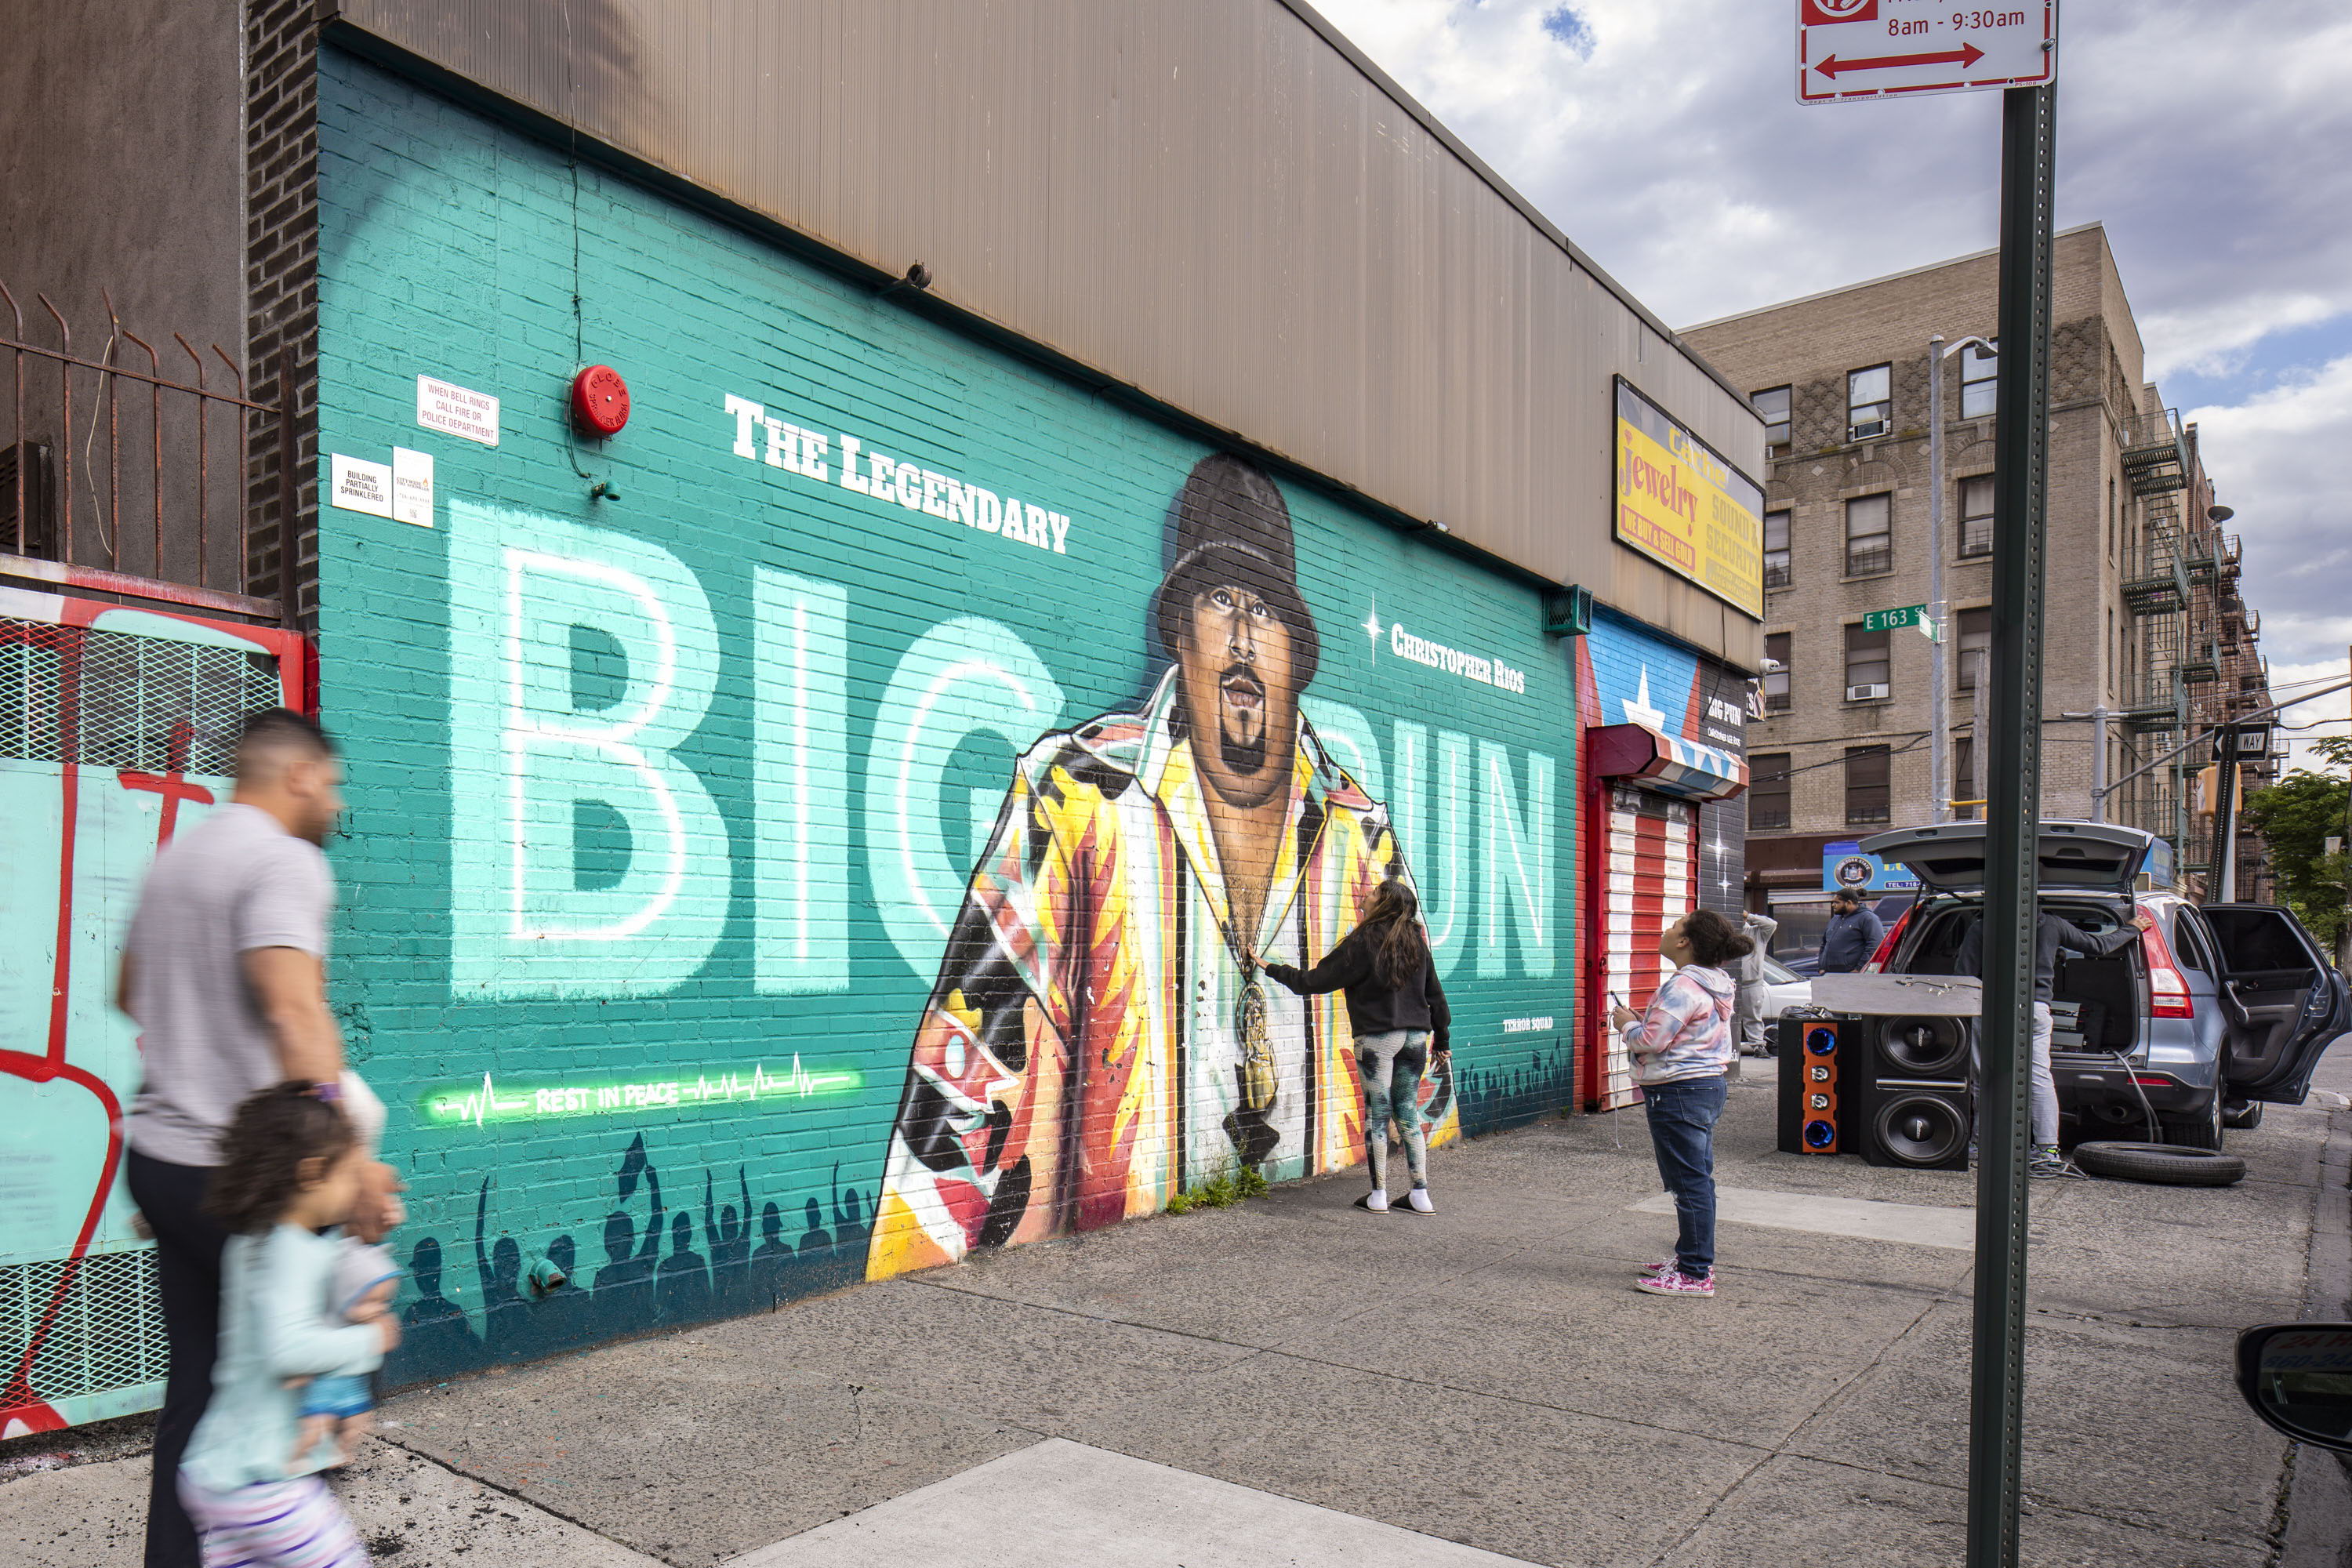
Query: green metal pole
point(2013, 813)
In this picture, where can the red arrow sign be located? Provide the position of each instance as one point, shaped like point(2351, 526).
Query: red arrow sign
point(1964, 56)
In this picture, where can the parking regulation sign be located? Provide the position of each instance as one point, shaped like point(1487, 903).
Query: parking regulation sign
point(1904, 49)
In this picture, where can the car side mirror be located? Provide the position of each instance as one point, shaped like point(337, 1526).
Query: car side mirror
point(2298, 1377)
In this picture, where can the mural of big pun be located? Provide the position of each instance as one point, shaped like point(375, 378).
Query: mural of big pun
point(1099, 1037)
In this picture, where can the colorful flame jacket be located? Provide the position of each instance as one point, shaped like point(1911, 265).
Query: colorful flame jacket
point(1085, 1051)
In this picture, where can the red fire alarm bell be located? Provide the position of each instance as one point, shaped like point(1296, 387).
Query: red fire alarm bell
point(600, 400)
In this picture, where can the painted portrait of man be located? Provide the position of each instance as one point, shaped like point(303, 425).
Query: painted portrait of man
point(1099, 1036)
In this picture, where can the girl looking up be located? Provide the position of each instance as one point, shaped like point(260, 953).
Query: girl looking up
point(1681, 1048)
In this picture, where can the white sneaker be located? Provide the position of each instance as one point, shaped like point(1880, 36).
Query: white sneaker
point(1374, 1202)
point(1418, 1201)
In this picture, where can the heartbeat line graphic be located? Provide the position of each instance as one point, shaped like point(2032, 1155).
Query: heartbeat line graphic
point(480, 1107)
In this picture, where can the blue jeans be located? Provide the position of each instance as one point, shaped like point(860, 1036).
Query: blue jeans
point(1682, 1130)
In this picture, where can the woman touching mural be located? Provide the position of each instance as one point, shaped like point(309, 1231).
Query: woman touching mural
point(1099, 1034)
point(1396, 1007)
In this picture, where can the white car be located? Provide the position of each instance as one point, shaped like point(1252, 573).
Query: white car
point(1788, 988)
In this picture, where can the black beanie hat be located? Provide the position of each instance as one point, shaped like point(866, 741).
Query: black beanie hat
point(1230, 525)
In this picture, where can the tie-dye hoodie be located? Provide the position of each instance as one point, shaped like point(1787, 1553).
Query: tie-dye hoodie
point(1687, 1031)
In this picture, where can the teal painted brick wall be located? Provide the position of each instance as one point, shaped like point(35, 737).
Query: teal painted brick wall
point(594, 743)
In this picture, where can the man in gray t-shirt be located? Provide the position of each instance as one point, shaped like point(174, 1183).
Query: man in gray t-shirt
point(224, 972)
point(235, 886)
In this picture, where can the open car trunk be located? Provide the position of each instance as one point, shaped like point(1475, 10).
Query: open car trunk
point(2095, 1005)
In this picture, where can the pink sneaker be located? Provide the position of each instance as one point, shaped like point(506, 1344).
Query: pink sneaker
point(1674, 1282)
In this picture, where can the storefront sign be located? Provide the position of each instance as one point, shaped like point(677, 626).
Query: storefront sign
point(1681, 505)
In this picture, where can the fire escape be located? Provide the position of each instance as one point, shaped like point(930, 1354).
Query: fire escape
point(2170, 558)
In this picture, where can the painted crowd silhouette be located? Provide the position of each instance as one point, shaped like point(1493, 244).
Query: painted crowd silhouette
point(520, 1312)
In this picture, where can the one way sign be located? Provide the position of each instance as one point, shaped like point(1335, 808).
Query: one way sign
point(1903, 48)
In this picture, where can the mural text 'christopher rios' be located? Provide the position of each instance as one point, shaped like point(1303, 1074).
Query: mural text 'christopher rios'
point(811, 454)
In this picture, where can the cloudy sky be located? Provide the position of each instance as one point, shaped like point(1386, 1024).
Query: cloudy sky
point(2213, 138)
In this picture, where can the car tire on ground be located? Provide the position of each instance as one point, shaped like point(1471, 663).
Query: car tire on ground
point(2199, 1130)
point(2164, 1164)
point(2243, 1117)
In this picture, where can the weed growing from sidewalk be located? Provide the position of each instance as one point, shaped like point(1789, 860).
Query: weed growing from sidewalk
point(1222, 1191)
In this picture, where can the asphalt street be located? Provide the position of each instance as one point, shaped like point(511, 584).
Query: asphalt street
point(1293, 1380)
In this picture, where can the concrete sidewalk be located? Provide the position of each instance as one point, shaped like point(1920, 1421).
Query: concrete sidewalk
point(1306, 1384)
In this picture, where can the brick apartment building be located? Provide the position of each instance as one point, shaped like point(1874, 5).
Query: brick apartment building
point(2145, 615)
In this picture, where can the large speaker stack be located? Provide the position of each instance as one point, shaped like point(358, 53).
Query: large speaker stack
point(1892, 1088)
point(1809, 1084)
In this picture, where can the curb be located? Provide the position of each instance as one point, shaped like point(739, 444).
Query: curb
point(2318, 1493)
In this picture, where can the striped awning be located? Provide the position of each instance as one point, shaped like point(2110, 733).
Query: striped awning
point(1665, 762)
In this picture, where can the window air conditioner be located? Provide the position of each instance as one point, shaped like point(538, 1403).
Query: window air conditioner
point(1866, 431)
point(1865, 693)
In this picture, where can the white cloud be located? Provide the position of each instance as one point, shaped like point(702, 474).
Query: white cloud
point(2210, 139)
point(2212, 338)
point(2277, 458)
point(2214, 141)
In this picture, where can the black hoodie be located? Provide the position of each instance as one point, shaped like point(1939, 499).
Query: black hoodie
point(1372, 1007)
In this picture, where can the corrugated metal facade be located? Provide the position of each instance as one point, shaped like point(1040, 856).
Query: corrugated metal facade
point(1215, 202)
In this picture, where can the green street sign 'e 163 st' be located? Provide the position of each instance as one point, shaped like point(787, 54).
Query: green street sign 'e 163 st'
point(1896, 620)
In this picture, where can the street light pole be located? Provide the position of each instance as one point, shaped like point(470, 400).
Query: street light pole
point(2100, 714)
point(1939, 729)
point(1939, 784)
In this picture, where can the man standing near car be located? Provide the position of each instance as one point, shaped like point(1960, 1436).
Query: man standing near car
point(1754, 1008)
point(1854, 934)
point(2050, 934)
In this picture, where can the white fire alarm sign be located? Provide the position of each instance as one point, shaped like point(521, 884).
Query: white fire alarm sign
point(1904, 49)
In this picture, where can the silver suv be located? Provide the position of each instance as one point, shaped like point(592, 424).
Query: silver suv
point(2219, 1009)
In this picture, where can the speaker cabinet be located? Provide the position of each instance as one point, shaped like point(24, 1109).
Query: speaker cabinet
point(1809, 1049)
point(1907, 1095)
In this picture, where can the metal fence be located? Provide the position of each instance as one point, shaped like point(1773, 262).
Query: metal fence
point(128, 472)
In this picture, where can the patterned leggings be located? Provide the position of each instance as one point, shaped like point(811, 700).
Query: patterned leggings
point(273, 1524)
point(1391, 1064)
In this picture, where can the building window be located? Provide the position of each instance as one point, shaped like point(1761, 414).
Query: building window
point(1976, 515)
point(1869, 535)
point(1867, 667)
point(1772, 404)
point(1980, 376)
point(1868, 777)
point(1776, 682)
point(1775, 549)
point(1869, 402)
point(1974, 646)
point(1965, 794)
point(1768, 792)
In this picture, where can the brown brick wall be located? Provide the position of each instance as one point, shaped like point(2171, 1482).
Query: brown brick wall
point(281, 280)
point(1809, 345)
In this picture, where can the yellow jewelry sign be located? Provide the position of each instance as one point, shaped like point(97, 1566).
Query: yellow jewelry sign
point(1686, 508)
